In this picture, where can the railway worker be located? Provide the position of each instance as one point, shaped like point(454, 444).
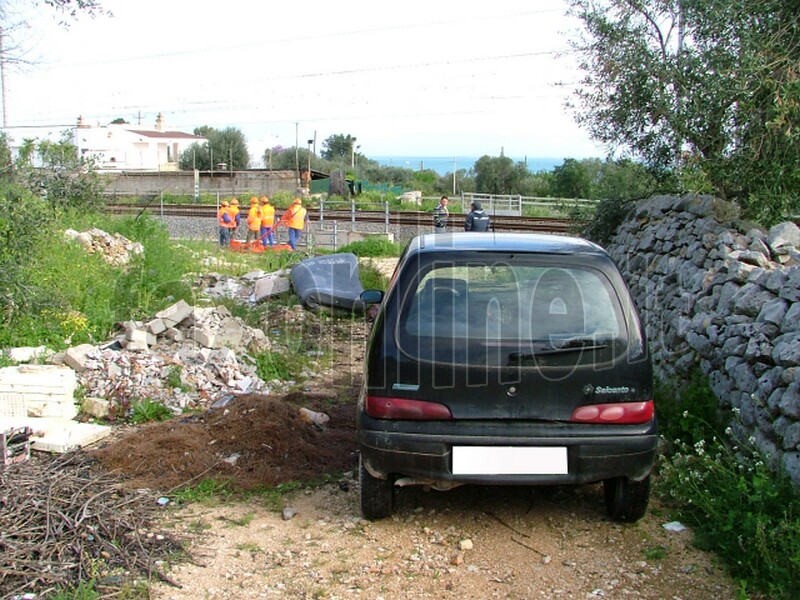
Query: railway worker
point(477, 219)
point(253, 221)
point(237, 217)
point(440, 216)
point(295, 218)
point(267, 222)
point(225, 222)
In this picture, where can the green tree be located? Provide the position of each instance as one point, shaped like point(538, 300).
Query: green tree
point(338, 147)
point(711, 83)
point(575, 179)
point(226, 146)
point(499, 175)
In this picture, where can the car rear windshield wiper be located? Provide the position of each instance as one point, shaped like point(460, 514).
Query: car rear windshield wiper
point(564, 346)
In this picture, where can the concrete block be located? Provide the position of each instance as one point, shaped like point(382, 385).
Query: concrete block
point(156, 326)
point(75, 357)
point(176, 335)
point(96, 407)
point(175, 313)
point(270, 286)
point(48, 390)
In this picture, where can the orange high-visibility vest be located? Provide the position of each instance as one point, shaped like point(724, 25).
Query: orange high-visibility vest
point(224, 211)
point(233, 211)
point(297, 217)
point(267, 215)
point(254, 218)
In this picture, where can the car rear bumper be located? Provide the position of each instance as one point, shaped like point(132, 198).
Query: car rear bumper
point(429, 457)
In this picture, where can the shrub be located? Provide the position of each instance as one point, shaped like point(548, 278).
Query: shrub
point(746, 513)
point(740, 509)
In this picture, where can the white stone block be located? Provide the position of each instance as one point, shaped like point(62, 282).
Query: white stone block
point(175, 313)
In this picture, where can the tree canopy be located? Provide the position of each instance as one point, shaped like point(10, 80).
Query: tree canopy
point(710, 87)
point(338, 146)
point(226, 146)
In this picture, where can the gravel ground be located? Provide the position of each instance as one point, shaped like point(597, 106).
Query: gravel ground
point(475, 543)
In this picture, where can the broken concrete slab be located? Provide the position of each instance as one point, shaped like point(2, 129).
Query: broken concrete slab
point(270, 286)
point(156, 326)
point(53, 434)
point(176, 313)
point(76, 356)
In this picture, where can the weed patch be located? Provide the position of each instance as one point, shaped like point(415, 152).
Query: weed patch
point(146, 411)
point(722, 486)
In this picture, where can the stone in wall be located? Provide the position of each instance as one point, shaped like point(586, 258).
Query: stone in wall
point(725, 301)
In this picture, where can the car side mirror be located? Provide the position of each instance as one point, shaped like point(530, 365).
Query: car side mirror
point(371, 296)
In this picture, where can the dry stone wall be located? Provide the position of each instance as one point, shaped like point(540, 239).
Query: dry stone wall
point(726, 299)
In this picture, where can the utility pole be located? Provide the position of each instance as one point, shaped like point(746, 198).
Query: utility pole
point(296, 154)
point(3, 74)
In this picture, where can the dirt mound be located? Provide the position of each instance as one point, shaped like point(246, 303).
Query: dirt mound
point(251, 442)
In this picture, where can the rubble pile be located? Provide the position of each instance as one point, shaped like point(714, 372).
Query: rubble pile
point(184, 358)
point(115, 249)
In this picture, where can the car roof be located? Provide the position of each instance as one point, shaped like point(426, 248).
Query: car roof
point(540, 243)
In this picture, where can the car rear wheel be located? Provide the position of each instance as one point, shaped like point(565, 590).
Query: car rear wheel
point(626, 500)
point(377, 495)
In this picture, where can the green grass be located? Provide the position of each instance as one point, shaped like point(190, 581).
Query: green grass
point(722, 486)
point(372, 279)
point(205, 491)
point(373, 247)
point(83, 591)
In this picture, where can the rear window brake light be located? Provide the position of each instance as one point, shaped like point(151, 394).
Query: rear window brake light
point(380, 407)
point(617, 412)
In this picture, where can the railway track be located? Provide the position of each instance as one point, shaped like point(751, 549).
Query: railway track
point(392, 219)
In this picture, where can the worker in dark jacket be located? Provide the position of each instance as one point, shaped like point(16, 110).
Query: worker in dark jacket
point(477, 219)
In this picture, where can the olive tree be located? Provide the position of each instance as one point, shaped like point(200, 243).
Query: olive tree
point(708, 84)
point(223, 146)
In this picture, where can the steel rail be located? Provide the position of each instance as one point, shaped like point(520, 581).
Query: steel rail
point(417, 219)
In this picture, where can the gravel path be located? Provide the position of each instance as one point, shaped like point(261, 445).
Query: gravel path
point(472, 543)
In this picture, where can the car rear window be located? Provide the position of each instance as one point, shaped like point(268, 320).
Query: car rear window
point(499, 312)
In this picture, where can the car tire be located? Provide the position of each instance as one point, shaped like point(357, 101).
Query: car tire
point(377, 495)
point(626, 500)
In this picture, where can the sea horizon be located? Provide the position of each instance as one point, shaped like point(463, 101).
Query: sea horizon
point(448, 164)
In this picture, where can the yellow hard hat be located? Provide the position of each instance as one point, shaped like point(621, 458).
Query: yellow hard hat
point(253, 200)
point(298, 201)
point(224, 203)
point(235, 202)
point(264, 200)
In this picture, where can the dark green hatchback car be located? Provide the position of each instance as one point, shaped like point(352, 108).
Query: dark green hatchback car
point(508, 359)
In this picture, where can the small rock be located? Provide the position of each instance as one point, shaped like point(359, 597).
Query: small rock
point(465, 544)
point(288, 513)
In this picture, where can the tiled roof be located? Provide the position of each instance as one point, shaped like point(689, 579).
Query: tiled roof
point(166, 134)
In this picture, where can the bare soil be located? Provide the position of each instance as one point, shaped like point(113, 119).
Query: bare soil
point(471, 542)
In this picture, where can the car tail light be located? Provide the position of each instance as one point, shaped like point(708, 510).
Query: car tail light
point(401, 408)
point(618, 412)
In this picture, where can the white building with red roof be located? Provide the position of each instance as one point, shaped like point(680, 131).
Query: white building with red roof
point(127, 147)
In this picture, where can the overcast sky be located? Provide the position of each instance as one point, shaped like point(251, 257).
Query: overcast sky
point(412, 78)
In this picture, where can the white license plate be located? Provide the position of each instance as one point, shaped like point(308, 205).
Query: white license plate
point(509, 460)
